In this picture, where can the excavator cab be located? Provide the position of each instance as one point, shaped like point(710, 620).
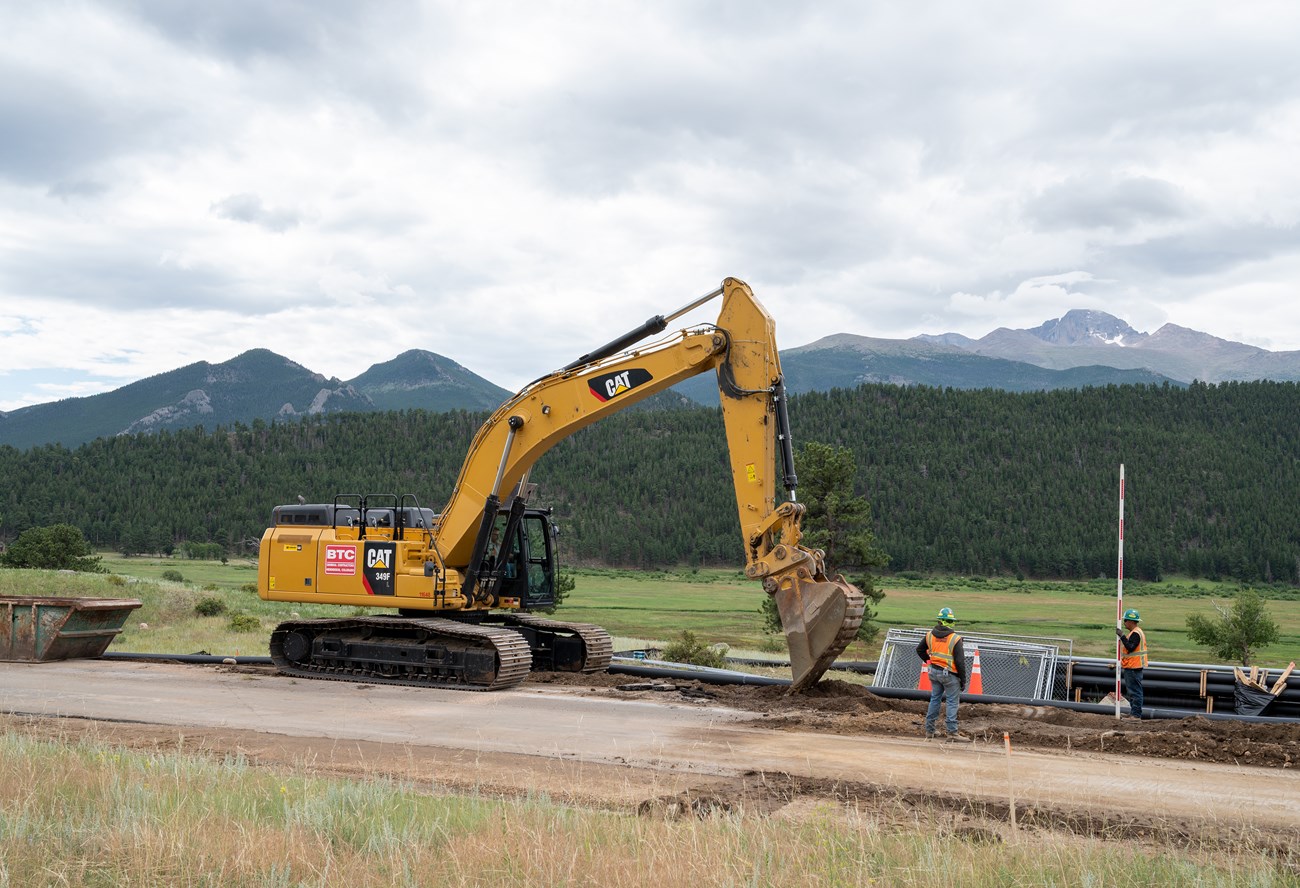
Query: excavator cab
point(523, 568)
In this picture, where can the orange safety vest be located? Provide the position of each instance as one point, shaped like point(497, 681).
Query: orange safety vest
point(941, 650)
point(1137, 659)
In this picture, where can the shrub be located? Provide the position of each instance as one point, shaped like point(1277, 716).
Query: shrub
point(210, 587)
point(1239, 632)
point(173, 575)
point(116, 580)
point(689, 649)
point(249, 587)
point(244, 623)
point(57, 547)
point(210, 606)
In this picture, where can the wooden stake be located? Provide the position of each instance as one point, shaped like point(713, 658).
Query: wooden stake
point(1280, 685)
point(1011, 784)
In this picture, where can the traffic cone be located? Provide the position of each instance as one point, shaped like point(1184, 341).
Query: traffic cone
point(976, 685)
point(924, 683)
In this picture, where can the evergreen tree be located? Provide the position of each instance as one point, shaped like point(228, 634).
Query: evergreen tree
point(838, 522)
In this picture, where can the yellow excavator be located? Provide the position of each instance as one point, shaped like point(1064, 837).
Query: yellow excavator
point(464, 581)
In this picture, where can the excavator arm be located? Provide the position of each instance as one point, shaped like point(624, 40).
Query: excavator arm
point(819, 615)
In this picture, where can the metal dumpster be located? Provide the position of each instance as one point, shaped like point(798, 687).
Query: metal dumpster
point(34, 628)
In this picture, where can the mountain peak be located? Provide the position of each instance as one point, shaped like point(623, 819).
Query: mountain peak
point(1083, 326)
point(419, 378)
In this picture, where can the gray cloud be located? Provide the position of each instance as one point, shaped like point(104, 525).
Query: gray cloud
point(1207, 250)
point(56, 129)
point(123, 277)
point(245, 29)
point(74, 189)
point(1107, 203)
point(249, 208)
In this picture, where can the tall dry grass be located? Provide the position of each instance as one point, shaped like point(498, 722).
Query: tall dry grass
point(84, 814)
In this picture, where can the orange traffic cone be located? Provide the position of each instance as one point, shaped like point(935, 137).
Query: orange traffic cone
point(976, 685)
point(924, 683)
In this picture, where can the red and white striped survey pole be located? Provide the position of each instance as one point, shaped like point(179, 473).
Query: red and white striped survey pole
point(1119, 592)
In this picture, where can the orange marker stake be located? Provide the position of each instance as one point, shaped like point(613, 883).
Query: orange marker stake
point(1011, 786)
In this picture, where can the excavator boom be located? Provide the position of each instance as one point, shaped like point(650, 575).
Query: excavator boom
point(447, 566)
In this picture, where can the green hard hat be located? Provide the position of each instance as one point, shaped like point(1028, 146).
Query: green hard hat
point(1131, 614)
point(947, 616)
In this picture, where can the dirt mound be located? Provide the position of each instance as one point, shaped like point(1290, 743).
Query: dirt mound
point(838, 707)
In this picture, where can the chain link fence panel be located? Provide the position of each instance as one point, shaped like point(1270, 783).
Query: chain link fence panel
point(1010, 665)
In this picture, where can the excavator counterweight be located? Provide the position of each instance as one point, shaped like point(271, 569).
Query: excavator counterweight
point(463, 580)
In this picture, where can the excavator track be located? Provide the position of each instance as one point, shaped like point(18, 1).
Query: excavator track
point(551, 639)
point(431, 653)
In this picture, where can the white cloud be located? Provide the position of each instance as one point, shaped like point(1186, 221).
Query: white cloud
point(512, 184)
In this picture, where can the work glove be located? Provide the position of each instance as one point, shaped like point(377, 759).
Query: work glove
point(1119, 633)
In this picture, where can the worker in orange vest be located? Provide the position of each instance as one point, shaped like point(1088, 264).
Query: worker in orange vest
point(942, 651)
point(1132, 659)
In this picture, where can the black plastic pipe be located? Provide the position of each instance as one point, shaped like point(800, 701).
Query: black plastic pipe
point(705, 675)
point(861, 667)
point(202, 659)
point(722, 677)
point(906, 694)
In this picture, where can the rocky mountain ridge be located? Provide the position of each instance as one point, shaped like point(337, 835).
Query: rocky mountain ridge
point(1084, 347)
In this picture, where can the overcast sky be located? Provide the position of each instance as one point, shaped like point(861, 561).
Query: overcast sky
point(512, 184)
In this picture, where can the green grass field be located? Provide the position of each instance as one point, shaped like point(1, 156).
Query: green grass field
point(723, 606)
point(648, 608)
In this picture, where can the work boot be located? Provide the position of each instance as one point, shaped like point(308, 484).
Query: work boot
point(959, 737)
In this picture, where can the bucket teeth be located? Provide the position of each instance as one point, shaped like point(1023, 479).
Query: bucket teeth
point(820, 619)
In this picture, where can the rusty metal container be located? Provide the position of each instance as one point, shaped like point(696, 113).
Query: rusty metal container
point(34, 628)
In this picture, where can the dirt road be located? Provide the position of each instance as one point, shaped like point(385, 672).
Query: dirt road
point(584, 739)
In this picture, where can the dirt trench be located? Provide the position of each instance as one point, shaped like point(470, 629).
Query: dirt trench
point(839, 707)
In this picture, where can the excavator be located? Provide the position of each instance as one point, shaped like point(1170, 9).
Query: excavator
point(465, 582)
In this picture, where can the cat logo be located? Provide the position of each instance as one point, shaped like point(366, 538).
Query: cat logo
point(377, 574)
point(612, 385)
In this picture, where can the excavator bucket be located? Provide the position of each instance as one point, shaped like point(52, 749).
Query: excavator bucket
point(820, 618)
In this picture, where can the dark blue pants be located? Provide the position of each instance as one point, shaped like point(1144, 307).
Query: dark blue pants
point(1133, 690)
point(944, 687)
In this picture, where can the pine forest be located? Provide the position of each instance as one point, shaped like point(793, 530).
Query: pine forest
point(981, 482)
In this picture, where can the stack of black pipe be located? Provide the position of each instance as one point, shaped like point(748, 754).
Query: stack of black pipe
point(1176, 685)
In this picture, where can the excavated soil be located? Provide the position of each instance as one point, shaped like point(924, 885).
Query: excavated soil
point(839, 707)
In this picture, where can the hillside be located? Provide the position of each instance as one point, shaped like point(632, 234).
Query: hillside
point(846, 361)
point(1082, 338)
point(421, 379)
point(256, 385)
point(1083, 348)
point(971, 482)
